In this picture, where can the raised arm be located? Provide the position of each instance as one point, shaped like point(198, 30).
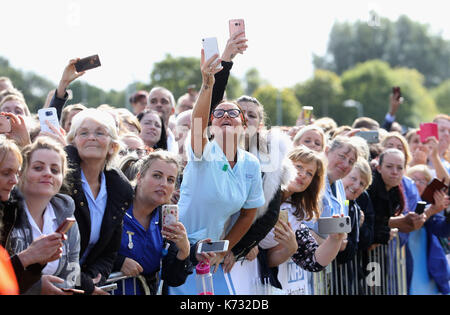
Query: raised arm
point(68, 76)
point(235, 45)
point(200, 112)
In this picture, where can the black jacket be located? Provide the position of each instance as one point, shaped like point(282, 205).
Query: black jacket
point(120, 195)
point(385, 204)
point(26, 277)
point(366, 230)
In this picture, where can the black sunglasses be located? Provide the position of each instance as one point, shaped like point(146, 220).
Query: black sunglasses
point(232, 113)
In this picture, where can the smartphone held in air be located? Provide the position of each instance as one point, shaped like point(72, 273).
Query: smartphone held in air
point(88, 63)
point(332, 225)
point(66, 225)
point(420, 207)
point(397, 92)
point(307, 114)
point(428, 130)
point(50, 115)
point(211, 48)
point(213, 247)
point(371, 136)
point(169, 215)
point(237, 26)
point(5, 124)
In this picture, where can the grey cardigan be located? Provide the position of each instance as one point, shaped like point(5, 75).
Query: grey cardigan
point(21, 237)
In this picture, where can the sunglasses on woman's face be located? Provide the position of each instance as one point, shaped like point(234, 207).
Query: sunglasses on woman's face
point(232, 113)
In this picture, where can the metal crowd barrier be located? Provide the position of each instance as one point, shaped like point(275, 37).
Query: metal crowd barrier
point(381, 271)
point(116, 277)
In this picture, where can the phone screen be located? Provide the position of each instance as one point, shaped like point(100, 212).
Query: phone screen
point(213, 247)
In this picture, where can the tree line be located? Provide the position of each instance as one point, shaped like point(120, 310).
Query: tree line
point(362, 63)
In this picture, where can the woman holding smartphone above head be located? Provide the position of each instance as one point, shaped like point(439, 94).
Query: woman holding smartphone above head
point(220, 179)
point(101, 194)
point(39, 214)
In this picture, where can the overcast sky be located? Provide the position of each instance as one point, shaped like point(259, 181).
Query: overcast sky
point(129, 36)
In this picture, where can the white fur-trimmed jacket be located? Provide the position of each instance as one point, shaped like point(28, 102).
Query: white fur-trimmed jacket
point(271, 148)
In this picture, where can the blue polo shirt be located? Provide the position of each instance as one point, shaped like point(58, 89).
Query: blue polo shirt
point(146, 246)
point(212, 191)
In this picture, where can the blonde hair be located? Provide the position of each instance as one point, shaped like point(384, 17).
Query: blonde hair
point(9, 146)
point(17, 98)
point(308, 202)
point(106, 120)
point(44, 143)
point(397, 135)
point(305, 129)
point(68, 109)
point(422, 168)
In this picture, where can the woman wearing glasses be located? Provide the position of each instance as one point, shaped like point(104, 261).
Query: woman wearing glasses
point(220, 179)
point(101, 194)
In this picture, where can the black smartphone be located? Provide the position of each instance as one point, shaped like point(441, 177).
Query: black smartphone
point(397, 92)
point(88, 63)
point(420, 207)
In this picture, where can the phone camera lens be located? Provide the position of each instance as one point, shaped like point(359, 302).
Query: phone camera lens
point(348, 221)
point(48, 113)
point(236, 24)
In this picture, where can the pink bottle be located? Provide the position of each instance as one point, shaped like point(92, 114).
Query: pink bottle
point(204, 279)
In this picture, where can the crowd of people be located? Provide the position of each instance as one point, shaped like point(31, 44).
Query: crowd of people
point(233, 178)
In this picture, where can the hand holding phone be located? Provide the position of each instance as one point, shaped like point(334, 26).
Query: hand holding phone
point(420, 207)
point(428, 130)
point(87, 63)
point(50, 115)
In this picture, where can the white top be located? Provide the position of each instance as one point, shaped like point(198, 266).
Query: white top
point(49, 227)
point(269, 241)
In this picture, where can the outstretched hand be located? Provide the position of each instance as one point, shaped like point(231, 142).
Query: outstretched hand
point(209, 68)
point(68, 76)
point(235, 45)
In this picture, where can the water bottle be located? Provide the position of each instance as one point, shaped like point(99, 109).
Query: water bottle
point(204, 279)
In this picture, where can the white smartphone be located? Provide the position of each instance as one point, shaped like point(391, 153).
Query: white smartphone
point(214, 247)
point(50, 115)
point(211, 48)
point(169, 215)
point(332, 225)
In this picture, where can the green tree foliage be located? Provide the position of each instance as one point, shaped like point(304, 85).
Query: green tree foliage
point(370, 83)
point(253, 81)
point(324, 93)
point(403, 43)
point(441, 95)
point(270, 97)
point(176, 73)
point(33, 87)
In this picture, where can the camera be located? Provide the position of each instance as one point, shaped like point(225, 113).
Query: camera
point(49, 113)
